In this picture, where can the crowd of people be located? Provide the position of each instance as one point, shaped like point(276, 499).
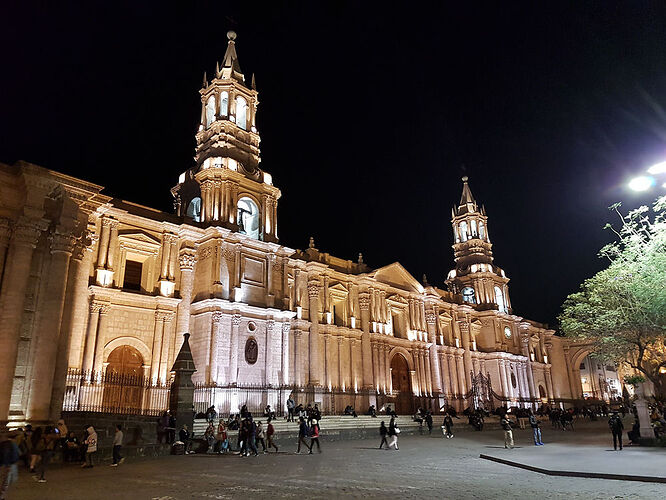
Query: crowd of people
point(36, 447)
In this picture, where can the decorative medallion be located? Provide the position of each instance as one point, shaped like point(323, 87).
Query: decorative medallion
point(507, 332)
point(251, 326)
point(251, 351)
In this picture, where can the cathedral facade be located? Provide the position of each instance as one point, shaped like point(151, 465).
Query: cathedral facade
point(93, 286)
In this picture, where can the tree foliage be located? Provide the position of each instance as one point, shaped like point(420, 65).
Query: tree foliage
point(622, 309)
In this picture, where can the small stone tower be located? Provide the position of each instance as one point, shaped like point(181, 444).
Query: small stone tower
point(475, 277)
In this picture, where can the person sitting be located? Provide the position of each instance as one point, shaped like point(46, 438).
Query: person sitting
point(268, 412)
point(389, 411)
point(211, 414)
point(234, 423)
point(184, 437)
point(209, 436)
point(372, 411)
point(70, 451)
point(349, 410)
point(635, 433)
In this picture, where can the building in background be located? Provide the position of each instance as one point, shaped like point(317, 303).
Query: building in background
point(97, 292)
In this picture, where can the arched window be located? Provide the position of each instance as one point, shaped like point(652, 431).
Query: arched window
point(194, 209)
point(499, 299)
point(455, 234)
point(468, 295)
point(241, 112)
point(224, 103)
point(482, 231)
point(248, 218)
point(463, 231)
point(210, 111)
point(473, 227)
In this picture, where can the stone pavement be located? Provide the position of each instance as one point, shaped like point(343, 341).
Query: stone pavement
point(425, 467)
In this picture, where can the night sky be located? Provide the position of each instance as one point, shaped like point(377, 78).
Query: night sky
point(368, 116)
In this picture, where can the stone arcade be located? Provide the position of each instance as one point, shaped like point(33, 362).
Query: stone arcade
point(92, 285)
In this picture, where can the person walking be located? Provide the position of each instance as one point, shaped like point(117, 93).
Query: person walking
point(428, 419)
point(9, 457)
point(270, 431)
point(393, 431)
point(314, 437)
point(534, 423)
point(260, 437)
point(252, 435)
point(117, 445)
point(303, 432)
point(91, 447)
point(383, 431)
point(615, 424)
point(291, 404)
point(508, 433)
point(447, 426)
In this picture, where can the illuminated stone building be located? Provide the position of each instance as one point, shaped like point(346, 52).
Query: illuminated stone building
point(94, 284)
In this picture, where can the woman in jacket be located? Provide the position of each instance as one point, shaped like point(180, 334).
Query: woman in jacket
point(314, 437)
point(91, 450)
point(383, 431)
point(260, 437)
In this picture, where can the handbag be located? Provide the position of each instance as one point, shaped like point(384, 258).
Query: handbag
point(397, 429)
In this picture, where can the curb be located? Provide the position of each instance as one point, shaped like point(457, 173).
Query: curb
point(589, 475)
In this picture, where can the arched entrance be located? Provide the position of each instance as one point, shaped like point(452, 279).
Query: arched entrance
point(401, 384)
point(123, 381)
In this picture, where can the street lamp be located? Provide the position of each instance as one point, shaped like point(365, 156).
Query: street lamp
point(645, 182)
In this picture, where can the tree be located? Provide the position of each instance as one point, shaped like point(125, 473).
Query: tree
point(622, 309)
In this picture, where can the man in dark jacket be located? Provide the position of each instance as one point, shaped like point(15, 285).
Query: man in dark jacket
point(303, 432)
point(534, 423)
point(508, 433)
point(616, 426)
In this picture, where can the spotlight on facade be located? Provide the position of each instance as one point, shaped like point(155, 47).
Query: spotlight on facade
point(641, 183)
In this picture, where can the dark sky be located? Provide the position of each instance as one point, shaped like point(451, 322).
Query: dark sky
point(369, 116)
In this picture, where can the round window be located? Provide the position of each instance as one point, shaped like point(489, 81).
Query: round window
point(251, 351)
point(251, 326)
point(507, 332)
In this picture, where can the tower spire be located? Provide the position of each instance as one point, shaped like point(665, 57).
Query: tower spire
point(467, 201)
point(230, 65)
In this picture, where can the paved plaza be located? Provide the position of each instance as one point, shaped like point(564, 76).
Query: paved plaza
point(424, 467)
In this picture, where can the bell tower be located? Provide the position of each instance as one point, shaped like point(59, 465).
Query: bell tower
point(226, 187)
point(475, 277)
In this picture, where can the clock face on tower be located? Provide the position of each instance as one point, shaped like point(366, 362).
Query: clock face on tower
point(507, 332)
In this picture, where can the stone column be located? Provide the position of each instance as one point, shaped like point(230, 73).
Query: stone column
point(104, 242)
point(111, 260)
point(375, 366)
point(216, 324)
point(427, 358)
point(233, 355)
point(99, 339)
point(549, 384)
point(187, 259)
point(467, 355)
point(431, 323)
point(549, 378)
point(444, 377)
point(366, 351)
point(270, 378)
point(14, 284)
point(5, 234)
point(285, 353)
point(298, 358)
point(460, 369)
point(74, 316)
point(158, 332)
point(387, 362)
point(381, 355)
point(341, 376)
point(353, 361)
point(315, 362)
point(229, 253)
point(48, 330)
point(453, 377)
point(91, 337)
point(167, 336)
